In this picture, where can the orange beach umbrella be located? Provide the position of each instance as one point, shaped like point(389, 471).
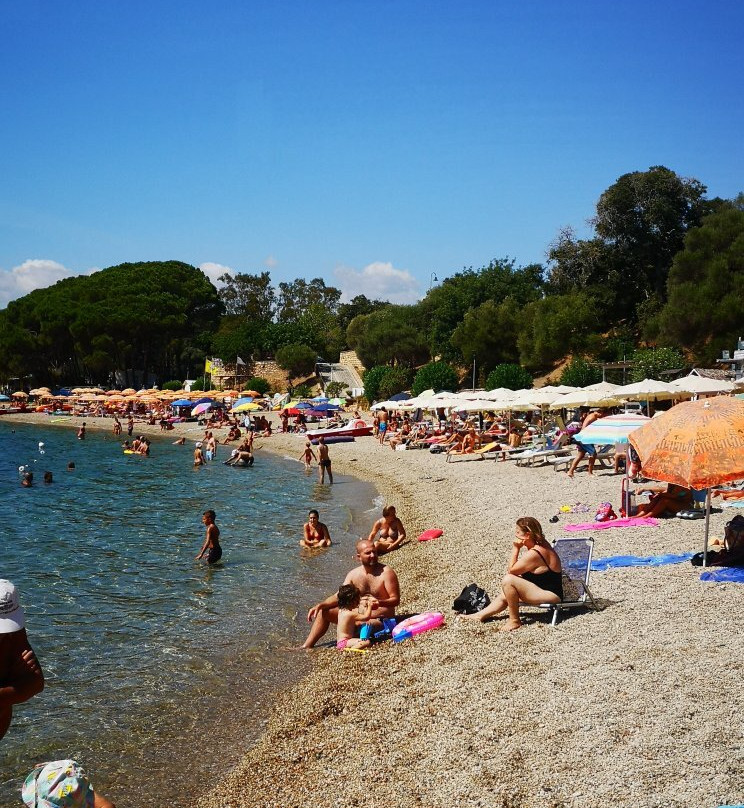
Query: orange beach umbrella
point(695, 444)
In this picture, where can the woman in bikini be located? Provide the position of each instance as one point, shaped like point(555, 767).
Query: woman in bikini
point(316, 533)
point(533, 578)
point(387, 533)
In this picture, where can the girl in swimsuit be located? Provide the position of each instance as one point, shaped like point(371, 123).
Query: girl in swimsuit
point(533, 578)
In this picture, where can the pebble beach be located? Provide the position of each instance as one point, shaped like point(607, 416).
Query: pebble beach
point(634, 705)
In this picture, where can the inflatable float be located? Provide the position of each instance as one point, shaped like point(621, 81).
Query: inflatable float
point(428, 535)
point(416, 625)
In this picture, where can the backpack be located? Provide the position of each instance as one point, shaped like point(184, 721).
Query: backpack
point(471, 600)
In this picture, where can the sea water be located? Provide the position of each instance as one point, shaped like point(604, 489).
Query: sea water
point(159, 670)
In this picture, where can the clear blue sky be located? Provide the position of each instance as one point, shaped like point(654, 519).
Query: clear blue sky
point(369, 143)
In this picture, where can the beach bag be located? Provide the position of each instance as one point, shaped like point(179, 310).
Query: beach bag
point(471, 600)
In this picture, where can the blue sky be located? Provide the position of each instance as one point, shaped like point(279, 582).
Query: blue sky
point(372, 144)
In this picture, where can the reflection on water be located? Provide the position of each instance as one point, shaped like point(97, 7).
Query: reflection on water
point(156, 664)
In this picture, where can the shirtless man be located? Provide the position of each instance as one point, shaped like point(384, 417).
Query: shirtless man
point(586, 449)
point(471, 442)
point(81, 432)
point(211, 446)
point(382, 415)
point(20, 672)
point(211, 547)
point(375, 580)
point(130, 426)
point(324, 462)
point(316, 533)
point(390, 529)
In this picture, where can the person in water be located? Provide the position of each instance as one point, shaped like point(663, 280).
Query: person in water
point(353, 612)
point(533, 578)
point(371, 578)
point(48, 478)
point(388, 532)
point(28, 479)
point(211, 547)
point(61, 784)
point(199, 459)
point(20, 673)
point(316, 533)
point(308, 455)
point(324, 462)
point(81, 432)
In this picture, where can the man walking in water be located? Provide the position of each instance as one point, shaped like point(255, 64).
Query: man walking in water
point(324, 462)
point(377, 582)
point(20, 672)
point(211, 546)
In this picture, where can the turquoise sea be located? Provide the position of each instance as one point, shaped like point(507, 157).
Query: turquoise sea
point(159, 670)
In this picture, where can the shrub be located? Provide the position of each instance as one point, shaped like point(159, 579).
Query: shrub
point(650, 362)
point(200, 384)
point(372, 379)
point(259, 384)
point(174, 385)
point(437, 376)
point(513, 377)
point(394, 381)
point(580, 373)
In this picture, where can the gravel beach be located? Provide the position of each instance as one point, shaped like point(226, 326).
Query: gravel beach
point(635, 705)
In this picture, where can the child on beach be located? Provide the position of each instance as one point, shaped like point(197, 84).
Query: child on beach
point(308, 455)
point(353, 612)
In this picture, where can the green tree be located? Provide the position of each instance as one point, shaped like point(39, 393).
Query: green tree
point(172, 385)
point(356, 306)
point(489, 333)
point(395, 380)
point(334, 389)
point(389, 336)
point(296, 297)
point(436, 376)
point(510, 376)
point(249, 296)
point(705, 307)
point(650, 363)
point(580, 373)
point(200, 384)
point(259, 384)
point(297, 360)
point(372, 380)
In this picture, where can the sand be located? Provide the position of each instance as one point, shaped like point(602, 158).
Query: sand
point(635, 705)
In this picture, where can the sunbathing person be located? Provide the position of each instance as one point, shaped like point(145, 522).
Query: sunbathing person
point(400, 437)
point(729, 493)
point(388, 532)
point(672, 500)
point(533, 578)
point(514, 442)
point(471, 441)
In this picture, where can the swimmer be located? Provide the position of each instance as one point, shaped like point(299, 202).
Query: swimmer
point(316, 533)
point(307, 455)
point(199, 459)
point(211, 546)
point(179, 442)
point(81, 432)
point(71, 466)
point(28, 479)
point(48, 477)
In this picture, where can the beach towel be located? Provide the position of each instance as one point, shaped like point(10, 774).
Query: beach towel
point(730, 503)
point(602, 564)
point(726, 575)
point(628, 521)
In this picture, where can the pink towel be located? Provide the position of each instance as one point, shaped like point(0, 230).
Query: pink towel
point(629, 521)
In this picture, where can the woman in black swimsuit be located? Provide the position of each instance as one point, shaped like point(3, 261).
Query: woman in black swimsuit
point(533, 578)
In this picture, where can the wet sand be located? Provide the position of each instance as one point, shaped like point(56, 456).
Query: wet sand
point(635, 705)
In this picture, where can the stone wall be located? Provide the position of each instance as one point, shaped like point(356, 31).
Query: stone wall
point(350, 358)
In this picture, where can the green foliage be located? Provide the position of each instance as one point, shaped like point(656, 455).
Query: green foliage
point(580, 373)
point(489, 333)
point(297, 359)
point(200, 384)
point(249, 296)
point(173, 385)
point(296, 297)
point(372, 380)
point(334, 389)
point(650, 362)
point(555, 326)
point(356, 306)
point(437, 376)
point(302, 391)
point(510, 376)
point(389, 336)
point(259, 384)
point(395, 380)
point(705, 308)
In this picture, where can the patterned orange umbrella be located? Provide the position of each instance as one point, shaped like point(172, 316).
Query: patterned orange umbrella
point(695, 444)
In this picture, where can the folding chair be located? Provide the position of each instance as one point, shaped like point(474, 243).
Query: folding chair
point(576, 563)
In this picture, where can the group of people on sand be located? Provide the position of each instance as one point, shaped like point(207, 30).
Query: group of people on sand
point(370, 593)
point(55, 784)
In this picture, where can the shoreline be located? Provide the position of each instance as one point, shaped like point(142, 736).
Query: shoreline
point(633, 704)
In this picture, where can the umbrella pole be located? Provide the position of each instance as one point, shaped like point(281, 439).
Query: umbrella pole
point(707, 528)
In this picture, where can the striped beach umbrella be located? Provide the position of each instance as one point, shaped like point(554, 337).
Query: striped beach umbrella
point(611, 429)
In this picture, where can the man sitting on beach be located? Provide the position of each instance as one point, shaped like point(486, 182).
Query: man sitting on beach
point(20, 672)
point(373, 579)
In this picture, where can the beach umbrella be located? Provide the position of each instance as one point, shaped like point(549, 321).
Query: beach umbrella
point(611, 429)
point(647, 390)
point(303, 405)
point(4, 398)
point(252, 393)
point(243, 400)
point(200, 408)
point(585, 398)
point(130, 391)
point(476, 405)
point(696, 385)
point(203, 400)
point(321, 407)
point(19, 394)
point(400, 397)
point(695, 444)
point(250, 406)
point(182, 402)
point(320, 399)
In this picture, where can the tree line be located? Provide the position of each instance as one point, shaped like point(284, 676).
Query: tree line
point(663, 268)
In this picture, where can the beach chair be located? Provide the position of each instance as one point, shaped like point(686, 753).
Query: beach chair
point(477, 454)
point(575, 554)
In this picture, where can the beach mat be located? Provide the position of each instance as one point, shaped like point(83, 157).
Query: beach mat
point(628, 521)
point(731, 503)
point(733, 575)
point(602, 564)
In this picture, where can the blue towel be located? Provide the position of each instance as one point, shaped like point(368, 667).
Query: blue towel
point(732, 574)
point(602, 564)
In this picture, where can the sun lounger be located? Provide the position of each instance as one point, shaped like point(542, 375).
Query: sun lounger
point(576, 562)
point(531, 457)
point(477, 454)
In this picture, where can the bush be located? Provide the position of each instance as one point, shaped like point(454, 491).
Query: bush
point(437, 376)
point(174, 385)
point(372, 380)
point(334, 389)
point(259, 384)
point(200, 384)
point(650, 362)
point(394, 381)
point(513, 377)
point(302, 391)
point(580, 373)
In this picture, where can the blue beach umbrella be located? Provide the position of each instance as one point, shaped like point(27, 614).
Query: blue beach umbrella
point(4, 398)
point(319, 409)
point(320, 399)
point(182, 402)
point(241, 401)
point(303, 405)
point(400, 397)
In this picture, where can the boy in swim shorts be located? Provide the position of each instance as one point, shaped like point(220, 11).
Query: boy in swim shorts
point(353, 612)
point(211, 547)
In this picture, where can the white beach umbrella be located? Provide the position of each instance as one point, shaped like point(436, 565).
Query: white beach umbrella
point(559, 388)
point(585, 398)
point(533, 399)
point(695, 385)
point(647, 390)
point(605, 387)
point(476, 405)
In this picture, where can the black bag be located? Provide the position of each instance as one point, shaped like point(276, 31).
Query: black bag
point(471, 600)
